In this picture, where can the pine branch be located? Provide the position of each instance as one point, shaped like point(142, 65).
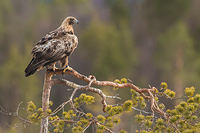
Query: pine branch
point(146, 93)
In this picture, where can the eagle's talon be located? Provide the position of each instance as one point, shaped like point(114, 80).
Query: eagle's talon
point(54, 69)
point(67, 68)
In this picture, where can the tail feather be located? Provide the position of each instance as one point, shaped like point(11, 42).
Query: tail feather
point(33, 66)
point(30, 72)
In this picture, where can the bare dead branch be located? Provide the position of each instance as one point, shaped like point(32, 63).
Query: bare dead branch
point(154, 106)
point(60, 107)
point(25, 123)
point(80, 87)
point(87, 126)
point(114, 97)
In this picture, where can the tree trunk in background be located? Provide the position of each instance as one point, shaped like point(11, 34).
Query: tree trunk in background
point(178, 80)
point(146, 45)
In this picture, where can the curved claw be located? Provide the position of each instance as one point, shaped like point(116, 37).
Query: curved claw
point(67, 68)
point(54, 69)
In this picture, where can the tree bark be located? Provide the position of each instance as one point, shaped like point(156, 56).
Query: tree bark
point(45, 100)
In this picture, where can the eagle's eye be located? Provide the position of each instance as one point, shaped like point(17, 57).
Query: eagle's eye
point(73, 21)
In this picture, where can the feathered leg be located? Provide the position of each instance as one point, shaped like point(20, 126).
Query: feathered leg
point(52, 66)
point(64, 64)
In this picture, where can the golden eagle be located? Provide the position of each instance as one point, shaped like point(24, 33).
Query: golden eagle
point(55, 46)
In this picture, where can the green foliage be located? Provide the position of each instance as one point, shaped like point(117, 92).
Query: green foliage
point(143, 131)
point(170, 93)
point(68, 115)
point(147, 123)
point(34, 118)
point(59, 126)
point(40, 110)
point(161, 106)
point(78, 129)
point(127, 106)
point(117, 81)
point(164, 85)
point(189, 91)
point(83, 98)
point(123, 131)
point(197, 98)
point(35, 115)
point(116, 120)
point(31, 107)
point(183, 104)
point(49, 111)
point(109, 124)
point(101, 118)
point(89, 115)
point(134, 93)
point(50, 103)
point(137, 99)
point(184, 117)
point(114, 110)
point(84, 122)
point(101, 127)
point(122, 81)
point(139, 118)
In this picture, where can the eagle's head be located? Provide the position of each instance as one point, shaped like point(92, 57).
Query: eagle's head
point(67, 24)
point(70, 21)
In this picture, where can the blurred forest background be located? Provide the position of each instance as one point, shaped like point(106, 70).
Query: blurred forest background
point(148, 41)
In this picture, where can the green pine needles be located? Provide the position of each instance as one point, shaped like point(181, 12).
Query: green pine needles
point(185, 116)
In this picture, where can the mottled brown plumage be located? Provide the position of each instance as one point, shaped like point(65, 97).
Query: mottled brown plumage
point(55, 46)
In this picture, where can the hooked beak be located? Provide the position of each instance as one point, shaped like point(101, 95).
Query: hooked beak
point(76, 21)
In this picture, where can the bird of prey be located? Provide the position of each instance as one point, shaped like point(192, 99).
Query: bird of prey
point(56, 46)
